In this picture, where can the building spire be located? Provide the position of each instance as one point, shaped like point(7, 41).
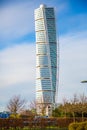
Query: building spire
point(42, 6)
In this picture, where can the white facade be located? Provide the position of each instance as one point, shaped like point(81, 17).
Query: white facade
point(46, 57)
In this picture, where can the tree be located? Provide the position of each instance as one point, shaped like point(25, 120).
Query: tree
point(74, 106)
point(32, 106)
point(83, 105)
point(16, 105)
point(65, 107)
point(58, 111)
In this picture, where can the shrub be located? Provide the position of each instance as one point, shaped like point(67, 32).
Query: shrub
point(78, 126)
point(81, 126)
point(86, 127)
point(73, 126)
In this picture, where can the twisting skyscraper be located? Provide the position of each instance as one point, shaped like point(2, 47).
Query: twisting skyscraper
point(46, 57)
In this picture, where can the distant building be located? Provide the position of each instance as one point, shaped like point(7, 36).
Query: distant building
point(4, 114)
point(46, 59)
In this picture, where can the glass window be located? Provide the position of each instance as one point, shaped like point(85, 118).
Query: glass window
point(38, 14)
point(40, 36)
point(41, 48)
point(49, 12)
point(39, 25)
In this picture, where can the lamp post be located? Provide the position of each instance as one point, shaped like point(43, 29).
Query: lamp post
point(84, 81)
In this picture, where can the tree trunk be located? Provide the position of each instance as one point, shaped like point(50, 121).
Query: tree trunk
point(82, 116)
point(73, 116)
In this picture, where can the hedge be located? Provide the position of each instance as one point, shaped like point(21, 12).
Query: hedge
point(78, 126)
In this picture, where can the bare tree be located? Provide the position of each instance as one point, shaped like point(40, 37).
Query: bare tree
point(32, 106)
point(83, 105)
point(75, 99)
point(65, 106)
point(16, 104)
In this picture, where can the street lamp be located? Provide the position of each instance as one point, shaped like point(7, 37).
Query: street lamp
point(84, 81)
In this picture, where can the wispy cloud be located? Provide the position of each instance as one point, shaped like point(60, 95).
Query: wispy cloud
point(17, 72)
point(17, 64)
point(73, 64)
point(16, 20)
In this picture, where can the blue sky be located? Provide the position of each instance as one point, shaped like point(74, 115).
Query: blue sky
point(17, 47)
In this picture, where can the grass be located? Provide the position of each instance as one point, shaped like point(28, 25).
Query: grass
point(50, 128)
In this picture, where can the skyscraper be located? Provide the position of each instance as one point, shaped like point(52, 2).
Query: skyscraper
point(46, 57)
